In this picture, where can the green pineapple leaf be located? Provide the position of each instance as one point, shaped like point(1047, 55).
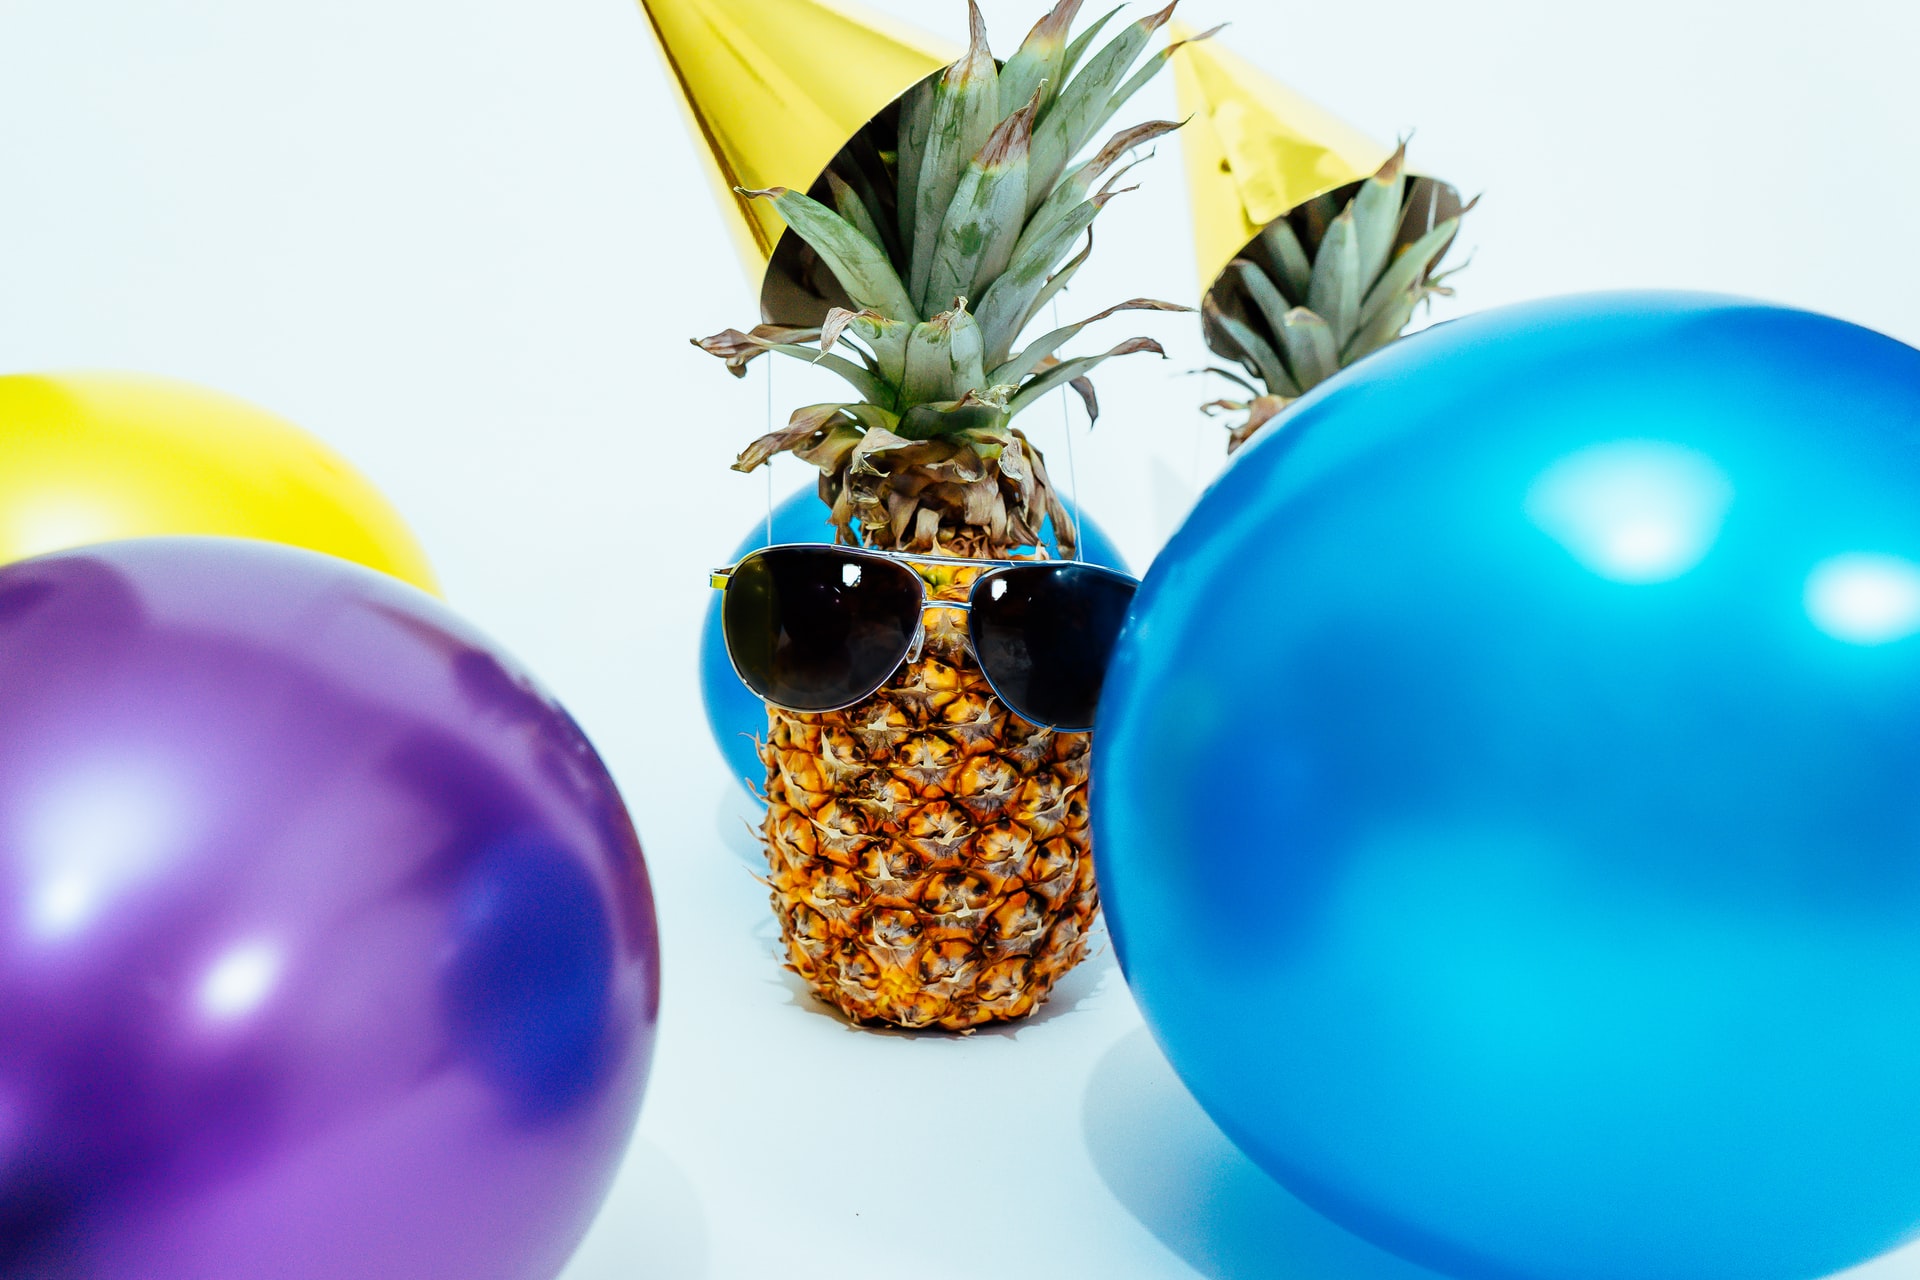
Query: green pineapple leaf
point(944, 419)
point(1066, 371)
point(1244, 344)
point(1040, 59)
point(1075, 186)
point(887, 339)
point(858, 263)
point(983, 223)
point(1149, 69)
point(929, 374)
point(872, 417)
point(1410, 266)
point(1005, 310)
point(1296, 269)
point(1077, 49)
point(1042, 348)
point(1087, 103)
point(1385, 325)
point(1376, 215)
point(855, 212)
point(916, 124)
point(966, 357)
point(1334, 291)
point(1312, 354)
point(966, 101)
point(1263, 293)
point(866, 384)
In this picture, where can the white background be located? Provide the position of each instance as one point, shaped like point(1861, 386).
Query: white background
point(466, 243)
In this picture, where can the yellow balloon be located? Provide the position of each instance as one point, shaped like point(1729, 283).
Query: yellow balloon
point(96, 457)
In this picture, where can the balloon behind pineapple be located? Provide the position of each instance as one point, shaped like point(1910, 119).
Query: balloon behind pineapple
point(326, 945)
point(1506, 815)
point(92, 457)
point(738, 719)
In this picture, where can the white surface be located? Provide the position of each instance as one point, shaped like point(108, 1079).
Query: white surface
point(466, 243)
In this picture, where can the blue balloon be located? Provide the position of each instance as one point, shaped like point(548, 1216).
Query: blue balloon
point(734, 714)
point(1509, 794)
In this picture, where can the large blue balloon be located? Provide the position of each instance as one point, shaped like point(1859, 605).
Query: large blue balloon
point(1509, 802)
point(734, 714)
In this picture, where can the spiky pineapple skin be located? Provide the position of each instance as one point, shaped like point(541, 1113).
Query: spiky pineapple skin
point(928, 852)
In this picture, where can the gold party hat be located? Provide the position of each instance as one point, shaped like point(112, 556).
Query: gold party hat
point(775, 88)
point(1255, 150)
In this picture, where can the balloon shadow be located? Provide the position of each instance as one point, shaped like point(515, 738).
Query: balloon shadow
point(653, 1224)
point(1180, 1177)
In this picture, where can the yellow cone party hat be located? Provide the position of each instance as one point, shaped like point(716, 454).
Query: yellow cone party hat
point(775, 88)
point(1255, 149)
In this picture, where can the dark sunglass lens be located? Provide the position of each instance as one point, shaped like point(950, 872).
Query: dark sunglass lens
point(1044, 634)
point(814, 628)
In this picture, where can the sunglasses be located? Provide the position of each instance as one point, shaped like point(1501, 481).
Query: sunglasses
point(816, 628)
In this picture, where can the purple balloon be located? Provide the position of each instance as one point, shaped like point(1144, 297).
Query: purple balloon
point(326, 944)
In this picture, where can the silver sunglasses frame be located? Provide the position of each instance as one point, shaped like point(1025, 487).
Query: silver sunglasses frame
point(719, 579)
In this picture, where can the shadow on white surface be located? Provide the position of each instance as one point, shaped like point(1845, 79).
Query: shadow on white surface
point(738, 824)
point(1174, 1171)
point(652, 1227)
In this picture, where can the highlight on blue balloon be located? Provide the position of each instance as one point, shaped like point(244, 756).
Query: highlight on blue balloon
point(1507, 814)
point(736, 717)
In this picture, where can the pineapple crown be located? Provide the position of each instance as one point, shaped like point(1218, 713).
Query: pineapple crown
point(1333, 281)
point(946, 226)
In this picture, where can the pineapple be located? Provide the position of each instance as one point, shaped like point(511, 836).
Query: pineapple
point(1333, 281)
point(928, 851)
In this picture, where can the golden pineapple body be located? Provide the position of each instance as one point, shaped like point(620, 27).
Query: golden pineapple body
point(928, 851)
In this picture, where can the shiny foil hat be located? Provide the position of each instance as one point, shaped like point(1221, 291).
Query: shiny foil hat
point(775, 89)
point(1256, 151)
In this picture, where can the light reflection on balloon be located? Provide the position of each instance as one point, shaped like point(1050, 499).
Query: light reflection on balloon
point(241, 980)
point(35, 528)
point(1636, 511)
point(98, 831)
point(1865, 599)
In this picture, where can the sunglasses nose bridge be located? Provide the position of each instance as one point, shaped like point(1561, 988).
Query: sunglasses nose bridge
point(948, 623)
